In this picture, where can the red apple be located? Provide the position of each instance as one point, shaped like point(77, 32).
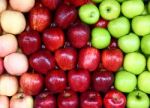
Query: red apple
point(114, 99)
point(79, 80)
point(68, 99)
point(56, 81)
point(65, 15)
point(112, 59)
point(42, 61)
point(53, 38)
point(39, 18)
point(31, 83)
point(1, 66)
point(29, 42)
point(113, 44)
point(4, 101)
point(66, 58)
point(77, 2)
point(102, 23)
point(90, 99)
point(45, 100)
point(89, 58)
point(21, 100)
point(79, 35)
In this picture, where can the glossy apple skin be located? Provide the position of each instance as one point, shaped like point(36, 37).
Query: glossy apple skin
point(42, 61)
point(102, 81)
point(66, 58)
point(76, 78)
point(1, 66)
point(102, 23)
point(68, 99)
point(29, 42)
point(112, 59)
point(4, 102)
point(113, 44)
point(56, 81)
point(39, 18)
point(114, 99)
point(79, 35)
point(45, 100)
point(65, 15)
point(89, 58)
point(77, 2)
point(53, 38)
point(90, 99)
point(31, 83)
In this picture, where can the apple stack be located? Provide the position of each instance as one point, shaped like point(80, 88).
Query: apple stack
point(74, 53)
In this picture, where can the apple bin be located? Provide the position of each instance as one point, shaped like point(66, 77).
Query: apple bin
point(74, 54)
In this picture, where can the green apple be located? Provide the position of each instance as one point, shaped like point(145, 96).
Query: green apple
point(137, 99)
point(125, 81)
point(97, 1)
point(141, 25)
point(134, 62)
point(132, 8)
point(148, 63)
point(145, 44)
point(89, 13)
point(119, 27)
point(129, 43)
point(121, 1)
point(109, 9)
point(149, 6)
point(144, 81)
point(100, 38)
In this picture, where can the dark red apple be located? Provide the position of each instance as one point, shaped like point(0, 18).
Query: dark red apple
point(56, 81)
point(42, 61)
point(90, 99)
point(102, 23)
point(68, 99)
point(1, 66)
point(102, 81)
point(113, 44)
point(79, 80)
point(31, 83)
point(65, 15)
point(53, 38)
point(45, 100)
point(66, 58)
point(77, 2)
point(39, 18)
point(114, 99)
point(112, 59)
point(79, 35)
point(89, 58)
point(29, 42)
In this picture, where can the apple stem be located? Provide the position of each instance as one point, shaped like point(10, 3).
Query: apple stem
point(138, 95)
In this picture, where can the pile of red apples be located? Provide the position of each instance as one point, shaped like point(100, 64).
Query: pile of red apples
point(47, 60)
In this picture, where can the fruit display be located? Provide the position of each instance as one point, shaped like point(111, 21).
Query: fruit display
point(74, 54)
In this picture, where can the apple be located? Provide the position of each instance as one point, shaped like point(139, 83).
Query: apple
point(4, 101)
point(89, 58)
point(102, 23)
point(148, 63)
point(31, 83)
point(78, 2)
point(113, 44)
point(1, 66)
point(125, 81)
point(137, 99)
point(145, 45)
point(97, 1)
point(134, 62)
point(114, 99)
point(129, 43)
point(90, 99)
point(132, 8)
point(3, 5)
point(122, 24)
point(112, 59)
point(109, 9)
point(100, 38)
point(141, 25)
point(76, 78)
point(56, 81)
point(89, 13)
point(121, 1)
point(21, 100)
point(8, 85)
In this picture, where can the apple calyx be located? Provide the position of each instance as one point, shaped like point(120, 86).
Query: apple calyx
point(66, 95)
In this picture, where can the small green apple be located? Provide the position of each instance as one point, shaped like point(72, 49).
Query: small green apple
point(100, 38)
point(137, 99)
point(109, 9)
point(134, 62)
point(144, 81)
point(149, 7)
point(145, 44)
point(141, 25)
point(122, 24)
point(148, 63)
point(89, 13)
point(132, 8)
point(129, 43)
point(125, 81)
point(97, 1)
